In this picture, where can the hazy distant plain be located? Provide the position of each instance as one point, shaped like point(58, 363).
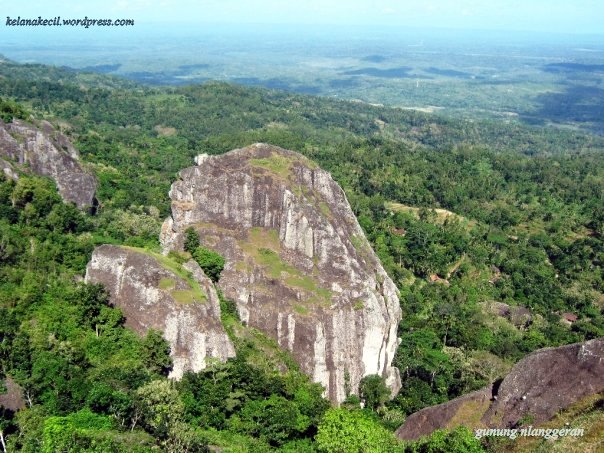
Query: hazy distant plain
point(542, 79)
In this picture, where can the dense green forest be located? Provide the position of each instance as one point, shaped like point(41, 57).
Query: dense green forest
point(466, 217)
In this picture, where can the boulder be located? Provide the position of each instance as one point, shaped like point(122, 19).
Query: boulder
point(12, 399)
point(465, 410)
point(537, 388)
point(547, 381)
point(155, 292)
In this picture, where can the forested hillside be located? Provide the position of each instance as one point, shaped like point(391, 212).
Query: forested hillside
point(491, 231)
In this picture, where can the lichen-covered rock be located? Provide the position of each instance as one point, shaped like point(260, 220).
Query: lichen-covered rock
point(47, 152)
point(154, 292)
point(297, 262)
point(537, 388)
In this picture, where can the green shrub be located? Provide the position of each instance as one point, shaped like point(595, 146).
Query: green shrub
point(10, 110)
point(459, 440)
point(191, 240)
point(211, 262)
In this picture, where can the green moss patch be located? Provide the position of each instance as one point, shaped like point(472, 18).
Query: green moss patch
point(183, 296)
point(301, 309)
point(279, 165)
point(361, 246)
point(469, 414)
point(176, 268)
point(166, 283)
point(325, 210)
point(263, 247)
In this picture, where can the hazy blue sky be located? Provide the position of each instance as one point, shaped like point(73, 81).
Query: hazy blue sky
point(568, 16)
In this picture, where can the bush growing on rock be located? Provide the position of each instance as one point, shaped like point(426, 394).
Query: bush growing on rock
point(211, 262)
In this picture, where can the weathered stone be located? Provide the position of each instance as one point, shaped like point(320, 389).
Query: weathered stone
point(47, 152)
point(520, 317)
point(538, 387)
point(8, 170)
point(153, 295)
point(12, 399)
point(297, 262)
point(547, 381)
point(467, 410)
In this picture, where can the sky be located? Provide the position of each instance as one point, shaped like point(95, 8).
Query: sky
point(563, 16)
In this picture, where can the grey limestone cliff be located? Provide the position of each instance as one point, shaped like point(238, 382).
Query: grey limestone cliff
point(156, 293)
point(297, 262)
point(46, 152)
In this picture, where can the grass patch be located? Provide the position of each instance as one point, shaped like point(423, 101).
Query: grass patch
point(358, 305)
point(586, 414)
point(357, 243)
point(252, 344)
point(176, 268)
point(183, 296)
point(264, 238)
point(469, 414)
point(439, 215)
point(263, 247)
point(324, 207)
point(273, 262)
point(279, 165)
point(166, 283)
point(301, 309)
point(361, 246)
point(241, 266)
point(179, 257)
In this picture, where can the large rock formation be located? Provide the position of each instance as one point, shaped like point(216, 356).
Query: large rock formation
point(47, 152)
point(297, 262)
point(156, 292)
point(539, 386)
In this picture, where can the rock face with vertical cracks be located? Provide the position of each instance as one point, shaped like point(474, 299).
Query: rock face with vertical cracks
point(46, 152)
point(297, 262)
point(155, 292)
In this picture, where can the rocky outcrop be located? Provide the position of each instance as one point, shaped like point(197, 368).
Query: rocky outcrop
point(8, 170)
point(297, 262)
point(47, 152)
point(465, 410)
point(537, 388)
point(12, 399)
point(155, 292)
